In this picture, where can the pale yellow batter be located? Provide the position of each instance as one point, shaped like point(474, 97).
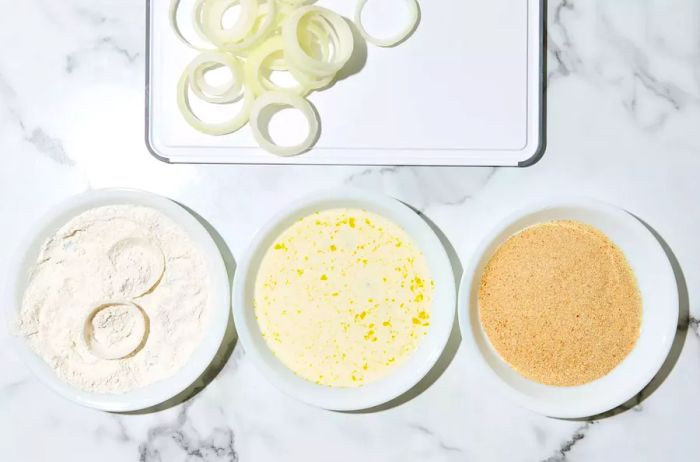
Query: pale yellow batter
point(343, 296)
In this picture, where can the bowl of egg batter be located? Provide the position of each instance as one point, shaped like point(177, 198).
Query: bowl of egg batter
point(572, 307)
point(345, 299)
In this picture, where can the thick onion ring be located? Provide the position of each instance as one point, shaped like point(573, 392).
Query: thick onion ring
point(283, 98)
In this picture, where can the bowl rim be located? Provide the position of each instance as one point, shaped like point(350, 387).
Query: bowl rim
point(629, 386)
point(406, 375)
point(219, 299)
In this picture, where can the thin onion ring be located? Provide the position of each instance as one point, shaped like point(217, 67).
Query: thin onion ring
point(213, 12)
point(308, 81)
point(253, 68)
point(218, 94)
point(269, 13)
point(343, 45)
point(220, 128)
point(282, 98)
point(172, 16)
point(197, 19)
point(414, 12)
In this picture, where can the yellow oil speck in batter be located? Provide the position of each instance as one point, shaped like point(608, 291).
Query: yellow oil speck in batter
point(343, 296)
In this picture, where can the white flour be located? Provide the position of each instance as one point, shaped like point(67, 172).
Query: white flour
point(131, 257)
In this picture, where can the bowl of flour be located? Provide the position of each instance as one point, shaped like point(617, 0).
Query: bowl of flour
point(120, 300)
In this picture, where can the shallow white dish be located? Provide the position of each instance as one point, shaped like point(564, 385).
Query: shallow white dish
point(406, 375)
point(659, 292)
point(155, 393)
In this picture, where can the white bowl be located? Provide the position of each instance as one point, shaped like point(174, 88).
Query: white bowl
point(406, 375)
point(659, 292)
point(157, 392)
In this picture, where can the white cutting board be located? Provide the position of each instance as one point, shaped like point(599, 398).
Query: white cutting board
point(464, 89)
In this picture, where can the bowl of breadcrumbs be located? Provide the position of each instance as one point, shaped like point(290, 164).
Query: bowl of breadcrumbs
point(572, 306)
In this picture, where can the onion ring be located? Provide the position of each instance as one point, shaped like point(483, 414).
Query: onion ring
point(217, 94)
point(286, 99)
point(253, 69)
point(172, 16)
point(265, 27)
point(220, 128)
point(343, 42)
point(212, 15)
point(414, 12)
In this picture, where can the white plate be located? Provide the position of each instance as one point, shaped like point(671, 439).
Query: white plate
point(465, 89)
point(405, 376)
point(157, 392)
point(659, 292)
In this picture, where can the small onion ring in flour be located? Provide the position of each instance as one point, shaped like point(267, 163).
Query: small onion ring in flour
point(122, 256)
point(284, 99)
point(414, 13)
point(125, 348)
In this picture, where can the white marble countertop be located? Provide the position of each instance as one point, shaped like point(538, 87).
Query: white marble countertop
point(623, 126)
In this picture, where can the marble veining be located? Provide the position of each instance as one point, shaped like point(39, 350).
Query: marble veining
point(429, 183)
point(441, 444)
point(49, 146)
point(74, 59)
point(579, 434)
point(694, 325)
point(623, 116)
point(179, 438)
point(629, 61)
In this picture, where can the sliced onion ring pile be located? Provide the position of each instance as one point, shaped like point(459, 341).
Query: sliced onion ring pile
point(309, 42)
